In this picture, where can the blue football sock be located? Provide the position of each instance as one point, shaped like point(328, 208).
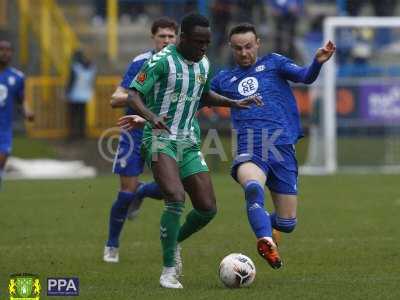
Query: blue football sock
point(258, 217)
point(283, 224)
point(118, 213)
point(150, 189)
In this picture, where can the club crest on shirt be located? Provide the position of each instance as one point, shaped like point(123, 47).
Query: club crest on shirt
point(201, 79)
point(248, 86)
point(141, 78)
point(11, 80)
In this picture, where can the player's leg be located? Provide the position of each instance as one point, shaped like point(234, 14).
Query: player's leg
point(118, 213)
point(282, 183)
point(3, 160)
point(128, 164)
point(201, 192)
point(252, 179)
point(134, 167)
point(284, 218)
point(166, 174)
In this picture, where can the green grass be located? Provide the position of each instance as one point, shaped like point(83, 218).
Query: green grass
point(24, 147)
point(346, 245)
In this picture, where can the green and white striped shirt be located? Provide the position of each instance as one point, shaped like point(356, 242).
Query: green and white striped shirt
point(172, 85)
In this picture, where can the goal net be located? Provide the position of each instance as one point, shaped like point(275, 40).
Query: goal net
point(356, 101)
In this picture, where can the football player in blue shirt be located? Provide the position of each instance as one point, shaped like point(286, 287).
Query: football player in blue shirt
point(12, 83)
point(128, 162)
point(266, 134)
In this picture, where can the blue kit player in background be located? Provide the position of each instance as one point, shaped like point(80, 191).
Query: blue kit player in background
point(128, 161)
point(266, 135)
point(12, 83)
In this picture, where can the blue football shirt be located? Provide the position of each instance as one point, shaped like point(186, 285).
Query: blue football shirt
point(132, 71)
point(268, 78)
point(12, 82)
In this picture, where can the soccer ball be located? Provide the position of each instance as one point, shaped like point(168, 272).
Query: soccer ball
point(237, 270)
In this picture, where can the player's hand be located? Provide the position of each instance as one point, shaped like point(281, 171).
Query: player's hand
point(324, 54)
point(29, 115)
point(247, 102)
point(130, 122)
point(159, 122)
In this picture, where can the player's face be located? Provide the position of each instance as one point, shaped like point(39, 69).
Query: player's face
point(245, 48)
point(5, 52)
point(195, 44)
point(164, 37)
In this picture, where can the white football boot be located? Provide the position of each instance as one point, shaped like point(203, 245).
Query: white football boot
point(111, 254)
point(168, 279)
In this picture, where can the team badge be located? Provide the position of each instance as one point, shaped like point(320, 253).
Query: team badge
point(201, 79)
point(24, 286)
point(141, 78)
point(11, 80)
point(248, 86)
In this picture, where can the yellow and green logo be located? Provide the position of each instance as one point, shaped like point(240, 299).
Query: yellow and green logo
point(24, 287)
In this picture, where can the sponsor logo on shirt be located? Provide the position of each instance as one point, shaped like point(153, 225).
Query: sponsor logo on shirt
point(260, 68)
point(248, 86)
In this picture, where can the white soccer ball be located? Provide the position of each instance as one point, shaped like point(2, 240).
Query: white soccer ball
point(236, 270)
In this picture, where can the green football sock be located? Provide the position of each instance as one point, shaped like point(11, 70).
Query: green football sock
point(169, 228)
point(195, 220)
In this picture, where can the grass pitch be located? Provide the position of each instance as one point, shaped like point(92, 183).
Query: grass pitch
point(346, 245)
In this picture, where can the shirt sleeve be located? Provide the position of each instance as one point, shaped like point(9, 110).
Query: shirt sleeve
point(130, 73)
point(290, 71)
point(215, 84)
point(147, 77)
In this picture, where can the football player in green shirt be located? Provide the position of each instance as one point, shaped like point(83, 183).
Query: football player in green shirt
point(167, 93)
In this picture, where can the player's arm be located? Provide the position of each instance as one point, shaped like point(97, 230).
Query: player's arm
point(211, 98)
point(119, 97)
point(22, 103)
point(309, 74)
point(134, 100)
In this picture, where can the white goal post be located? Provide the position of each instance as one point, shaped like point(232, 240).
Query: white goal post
point(329, 165)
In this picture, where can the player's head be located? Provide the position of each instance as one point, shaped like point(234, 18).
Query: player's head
point(244, 42)
point(164, 32)
point(195, 37)
point(5, 52)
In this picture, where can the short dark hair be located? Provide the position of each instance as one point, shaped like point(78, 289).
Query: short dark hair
point(192, 20)
point(243, 28)
point(164, 22)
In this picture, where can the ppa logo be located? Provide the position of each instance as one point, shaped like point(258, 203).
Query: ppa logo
point(63, 286)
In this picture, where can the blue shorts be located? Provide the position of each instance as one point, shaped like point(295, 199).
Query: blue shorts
point(5, 144)
point(128, 159)
point(278, 163)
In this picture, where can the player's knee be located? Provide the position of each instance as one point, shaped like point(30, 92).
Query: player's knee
point(254, 192)
point(207, 215)
point(174, 194)
point(286, 225)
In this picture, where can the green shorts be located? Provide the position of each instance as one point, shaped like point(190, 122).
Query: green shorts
point(188, 156)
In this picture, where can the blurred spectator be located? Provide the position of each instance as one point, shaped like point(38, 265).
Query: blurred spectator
point(100, 8)
point(79, 91)
point(221, 11)
point(381, 7)
point(178, 8)
point(286, 14)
